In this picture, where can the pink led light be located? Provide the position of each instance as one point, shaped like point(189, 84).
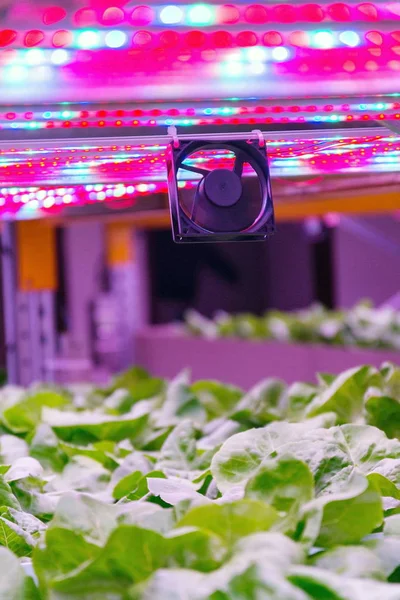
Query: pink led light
point(195, 39)
point(33, 38)
point(113, 15)
point(169, 39)
point(142, 15)
point(222, 39)
point(368, 11)
point(285, 13)
point(228, 14)
point(257, 14)
point(272, 38)
point(143, 39)
point(374, 37)
point(339, 12)
point(53, 15)
point(299, 39)
point(246, 39)
point(7, 37)
point(62, 38)
point(312, 13)
point(85, 17)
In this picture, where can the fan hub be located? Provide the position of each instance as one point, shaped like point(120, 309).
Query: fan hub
point(223, 187)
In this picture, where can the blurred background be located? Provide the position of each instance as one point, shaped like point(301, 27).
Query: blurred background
point(118, 288)
point(91, 281)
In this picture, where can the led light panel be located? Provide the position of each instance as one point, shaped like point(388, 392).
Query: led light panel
point(91, 68)
point(95, 51)
point(92, 171)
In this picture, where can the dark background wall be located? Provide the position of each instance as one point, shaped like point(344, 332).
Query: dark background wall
point(289, 271)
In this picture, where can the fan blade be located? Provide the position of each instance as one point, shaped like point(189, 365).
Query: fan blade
point(194, 209)
point(198, 170)
point(238, 166)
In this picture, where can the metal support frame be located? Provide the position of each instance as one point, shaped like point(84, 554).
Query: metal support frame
point(28, 321)
point(163, 140)
point(129, 294)
point(35, 336)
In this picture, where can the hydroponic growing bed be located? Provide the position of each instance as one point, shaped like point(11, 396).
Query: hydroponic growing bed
point(170, 490)
point(291, 346)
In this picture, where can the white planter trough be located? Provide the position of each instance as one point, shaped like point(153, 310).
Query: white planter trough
point(165, 350)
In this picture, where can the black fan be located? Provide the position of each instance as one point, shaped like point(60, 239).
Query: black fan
point(228, 204)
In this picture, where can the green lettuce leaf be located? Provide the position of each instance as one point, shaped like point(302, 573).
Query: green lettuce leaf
point(344, 517)
point(261, 405)
point(218, 399)
point(233, 520)
point(24, 416)
point(383, 412)
point(130, 555)
point(344, 396)
point(286, 484)
point(84, 428)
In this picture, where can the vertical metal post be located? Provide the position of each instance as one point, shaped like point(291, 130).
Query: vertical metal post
point(127, 261)
point(47, 333)
point(9, 300)
point(28, 284)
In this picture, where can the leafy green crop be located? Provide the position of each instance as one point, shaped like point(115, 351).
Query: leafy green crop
point(361, 326)
point(156, 490)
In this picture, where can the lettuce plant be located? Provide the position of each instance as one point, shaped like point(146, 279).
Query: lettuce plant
point(172, 490)
point(362, 326)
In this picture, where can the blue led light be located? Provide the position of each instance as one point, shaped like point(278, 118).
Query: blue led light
point(47, 115)
point(34, 56)
point(59, 57)
point(208, 111)
point(280, 53)
point(387, 159)
point(257, 54)
point(350, 38)
point(116, 39)
point(200, 14)
point(171, 15)
point(88, 40)
point(323, 40)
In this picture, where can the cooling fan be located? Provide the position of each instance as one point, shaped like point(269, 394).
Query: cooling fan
point(232, 200)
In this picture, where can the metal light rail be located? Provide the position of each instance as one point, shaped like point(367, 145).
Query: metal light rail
point(162, 140)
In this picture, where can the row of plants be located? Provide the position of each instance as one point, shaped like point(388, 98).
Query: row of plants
point(362, 326)
point(171, 490)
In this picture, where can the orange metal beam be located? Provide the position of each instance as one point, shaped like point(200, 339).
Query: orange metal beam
point(119, 243)
point(36, 254)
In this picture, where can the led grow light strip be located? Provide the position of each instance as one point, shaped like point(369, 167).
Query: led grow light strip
point(95, 39)
point(218, 115)
point(205, 14)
